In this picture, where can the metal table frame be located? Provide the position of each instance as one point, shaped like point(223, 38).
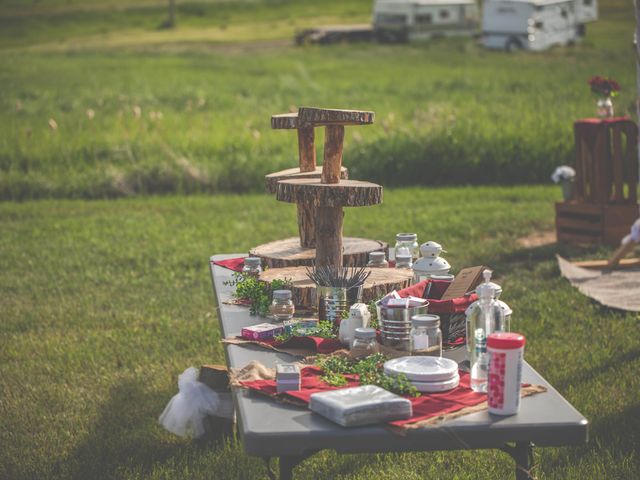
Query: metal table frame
point(271, 429)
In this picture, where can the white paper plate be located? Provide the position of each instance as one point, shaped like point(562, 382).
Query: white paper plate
point(422, 369)
point(432, 387)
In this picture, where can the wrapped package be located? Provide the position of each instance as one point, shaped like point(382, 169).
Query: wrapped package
point(352, 407)
point(186, 412)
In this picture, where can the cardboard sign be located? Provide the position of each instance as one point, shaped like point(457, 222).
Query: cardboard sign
point(467, 280)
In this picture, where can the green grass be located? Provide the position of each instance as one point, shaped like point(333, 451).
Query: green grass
point(104, 303)
point(448, 112)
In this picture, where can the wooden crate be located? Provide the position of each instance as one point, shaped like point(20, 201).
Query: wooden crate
point(586, 223)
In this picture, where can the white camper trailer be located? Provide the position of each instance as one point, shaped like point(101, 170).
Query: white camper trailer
point(402, 20)
point(535, 24)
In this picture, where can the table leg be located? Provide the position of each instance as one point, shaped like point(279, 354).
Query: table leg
point(522, 453)
point(288, 463)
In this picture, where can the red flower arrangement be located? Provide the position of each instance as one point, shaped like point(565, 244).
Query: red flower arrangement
point(604, 87)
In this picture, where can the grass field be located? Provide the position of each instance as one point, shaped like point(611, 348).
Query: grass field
point(104, 302)
point(95, 106)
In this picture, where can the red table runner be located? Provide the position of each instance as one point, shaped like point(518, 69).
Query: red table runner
point(427, 406)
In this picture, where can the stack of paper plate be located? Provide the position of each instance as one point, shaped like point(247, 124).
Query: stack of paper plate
point(427, 374)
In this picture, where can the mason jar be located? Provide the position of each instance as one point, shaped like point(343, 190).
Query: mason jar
point(252, 267)
point(426, 336)
point(409, 241)
point(282, 307)
point(377, 260)
point(364, 343)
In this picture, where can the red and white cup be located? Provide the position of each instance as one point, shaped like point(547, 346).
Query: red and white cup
point(505, 351)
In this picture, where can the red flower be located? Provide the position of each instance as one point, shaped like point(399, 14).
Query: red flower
point(602, 86)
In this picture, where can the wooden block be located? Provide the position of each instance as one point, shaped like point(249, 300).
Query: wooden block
point(289, 253)
point(284, 121)
point(380, 282)
point(325, 116)
point(272, 179)
point(332, 162)
point(347, 193)
point(215, 377)
point(306, 149)
point(329, 236)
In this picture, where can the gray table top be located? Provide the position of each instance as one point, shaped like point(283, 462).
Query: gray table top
point(269, 428)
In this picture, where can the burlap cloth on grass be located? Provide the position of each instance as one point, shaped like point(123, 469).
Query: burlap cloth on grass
point(256, 371)
point(616, 288)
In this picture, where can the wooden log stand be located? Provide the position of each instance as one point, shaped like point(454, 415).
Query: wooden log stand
point(380, 282)
point(320, 193)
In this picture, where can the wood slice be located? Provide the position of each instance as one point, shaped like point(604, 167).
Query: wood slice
point(272, 179)
point(347, 193)
point(284, 121)
point(380, 282)
point(326, 116)
point(289, 253)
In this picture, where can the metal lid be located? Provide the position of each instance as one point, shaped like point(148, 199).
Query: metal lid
point(252, 261)
point(448, 277)
point(365, 333)
point(282, 294)
point(425, 320)
point(407, 237)
point(377, 256)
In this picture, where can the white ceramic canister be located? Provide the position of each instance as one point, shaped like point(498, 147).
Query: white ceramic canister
point(506, 352)
point(359, 317)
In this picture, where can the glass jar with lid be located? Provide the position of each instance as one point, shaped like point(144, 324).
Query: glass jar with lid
point(282, 307)
point(409, 241)
point(426, 336)
point(252, 266)
point(364, 343)
point(377, 260)
point(404, 260)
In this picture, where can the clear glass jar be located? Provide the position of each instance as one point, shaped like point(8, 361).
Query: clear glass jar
point(282, 307)
point(404, 260)
point(426, 336)
point(410, 241)
point(252, 266)
point(377, 260)
point(364, 343)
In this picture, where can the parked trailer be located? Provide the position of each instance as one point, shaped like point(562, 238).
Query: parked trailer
point(535, 24)
point(403, 20)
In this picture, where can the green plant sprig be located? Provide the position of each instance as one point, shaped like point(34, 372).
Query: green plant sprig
point(258, 293)
point(370, 371)
point(324, 330)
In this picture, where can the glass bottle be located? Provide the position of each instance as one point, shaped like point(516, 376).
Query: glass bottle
point(364, 343)
point(377, 260)
point(404, 260)
point(486, 317)
point(252, 266)
point(282, 307)
point(480, 367)
point(410, 241)
point(426, 336)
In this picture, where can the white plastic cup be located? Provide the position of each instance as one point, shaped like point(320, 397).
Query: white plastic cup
point(506, 351)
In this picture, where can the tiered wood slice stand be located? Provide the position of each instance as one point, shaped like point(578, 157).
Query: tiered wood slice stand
point(320, 194)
